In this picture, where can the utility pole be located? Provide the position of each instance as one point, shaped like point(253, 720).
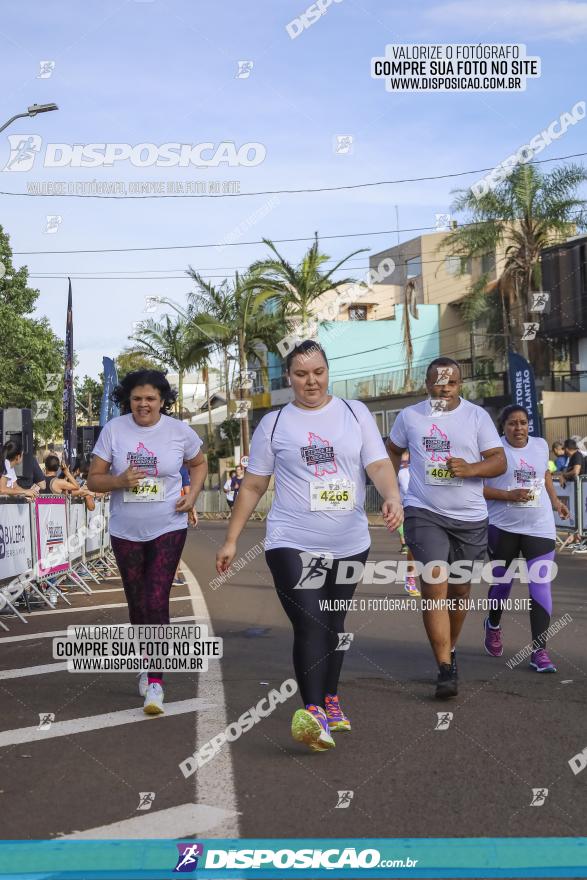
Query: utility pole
point(472, 347)
point(90, 408)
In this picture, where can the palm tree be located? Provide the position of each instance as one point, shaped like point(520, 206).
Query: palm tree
point(235, 318)
point(298, 287)
point(174, 343)
point(210, 308)
point(527, 212)
point(410, 311)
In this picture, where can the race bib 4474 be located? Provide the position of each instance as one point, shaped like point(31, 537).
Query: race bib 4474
point(149, 489)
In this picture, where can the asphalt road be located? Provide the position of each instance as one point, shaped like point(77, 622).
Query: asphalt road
point(512, 730)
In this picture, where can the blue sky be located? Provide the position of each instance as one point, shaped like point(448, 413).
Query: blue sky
point(165, 71)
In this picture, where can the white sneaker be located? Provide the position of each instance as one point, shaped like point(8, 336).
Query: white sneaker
point(154, 699)
point(143, 678)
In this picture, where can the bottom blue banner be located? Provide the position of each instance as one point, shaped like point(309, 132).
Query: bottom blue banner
point(304, 858)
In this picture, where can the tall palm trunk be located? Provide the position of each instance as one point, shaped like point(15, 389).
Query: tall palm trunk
point(180, 392)
point(226, 376)
point(243, 366)
point(410, 310)
point(210, 427)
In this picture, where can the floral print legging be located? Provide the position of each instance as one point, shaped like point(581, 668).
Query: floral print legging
point(147, 569)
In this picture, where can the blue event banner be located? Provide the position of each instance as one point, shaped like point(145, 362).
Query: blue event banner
point(304, 858)
point(523, 390)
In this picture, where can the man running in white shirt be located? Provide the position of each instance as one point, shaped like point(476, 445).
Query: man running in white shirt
point(453, 447)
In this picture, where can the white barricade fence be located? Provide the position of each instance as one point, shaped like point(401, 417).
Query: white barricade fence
point(94, 534)
point(568, 495)
point(50, 547)
point(16, 551)
point(76, 526)
point(214, 504)
point(46, 542)
point(106, 528)
point(16, 555)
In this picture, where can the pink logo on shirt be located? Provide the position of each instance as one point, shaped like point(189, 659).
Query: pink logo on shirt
point(436, 444)
point(320, 454)
point(143, 459)
point(525, 472)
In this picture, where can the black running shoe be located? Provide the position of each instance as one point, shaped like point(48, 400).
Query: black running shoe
point(446, 683)
point(453, 665)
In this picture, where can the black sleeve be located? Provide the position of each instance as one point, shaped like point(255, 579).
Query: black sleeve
point(575, 459)
point(38, 475)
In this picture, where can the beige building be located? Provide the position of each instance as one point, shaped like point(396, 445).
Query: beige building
point(439, 279)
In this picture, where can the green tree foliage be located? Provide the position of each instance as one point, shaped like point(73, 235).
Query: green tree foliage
point(129, 359)
point(30, 350)
point(88, 390)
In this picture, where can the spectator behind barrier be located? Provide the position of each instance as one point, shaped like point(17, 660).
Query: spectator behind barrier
point(558, 455)
point(11, 458)
point(37, 479)
point(55, 485)
point(575, 465)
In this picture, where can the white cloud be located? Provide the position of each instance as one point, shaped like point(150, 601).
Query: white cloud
point(559, 19)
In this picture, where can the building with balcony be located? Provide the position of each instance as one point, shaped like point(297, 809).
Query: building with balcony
point(564, 277)
point(442, 280)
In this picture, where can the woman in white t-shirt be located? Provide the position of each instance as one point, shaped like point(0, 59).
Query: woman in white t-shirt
point(138, 458)
point(11, 458)
point(318, 448)
point(228, 490)
point(520, 506)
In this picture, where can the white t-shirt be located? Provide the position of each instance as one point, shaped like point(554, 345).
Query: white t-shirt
point(10, 475)
point(526, 465)
point(431, 438)
point(316, 446)
point(228, 490)
point(403, 481)
point(159, 451)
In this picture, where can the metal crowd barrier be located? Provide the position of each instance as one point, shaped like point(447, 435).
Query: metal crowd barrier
point(50, 542)
point(212, 504)
point(574, 495)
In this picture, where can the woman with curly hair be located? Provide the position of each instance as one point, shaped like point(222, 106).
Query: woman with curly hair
point(137, 459)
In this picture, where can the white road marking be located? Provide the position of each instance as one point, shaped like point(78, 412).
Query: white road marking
point(99, 722)
point(215, 780)
point(187, 820)
point(25, 671)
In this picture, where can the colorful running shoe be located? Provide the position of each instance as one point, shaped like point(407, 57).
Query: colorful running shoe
point(404, 549)
point(310, 726)
point(154, 700)
point(337, 720)
point(410, 586)
point(541, 662)
point(493, 645)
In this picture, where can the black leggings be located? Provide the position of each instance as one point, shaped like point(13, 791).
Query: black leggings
point(304, 580)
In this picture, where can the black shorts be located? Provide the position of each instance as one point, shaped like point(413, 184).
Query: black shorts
point(432, 537)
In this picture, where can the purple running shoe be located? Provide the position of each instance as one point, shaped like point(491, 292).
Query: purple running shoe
point(541, 662)
point(493, 645)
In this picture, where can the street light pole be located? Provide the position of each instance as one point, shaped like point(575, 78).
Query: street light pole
point(32, 111)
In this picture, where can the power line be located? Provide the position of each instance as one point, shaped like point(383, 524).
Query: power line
point(177, 247)
point(271, 192)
